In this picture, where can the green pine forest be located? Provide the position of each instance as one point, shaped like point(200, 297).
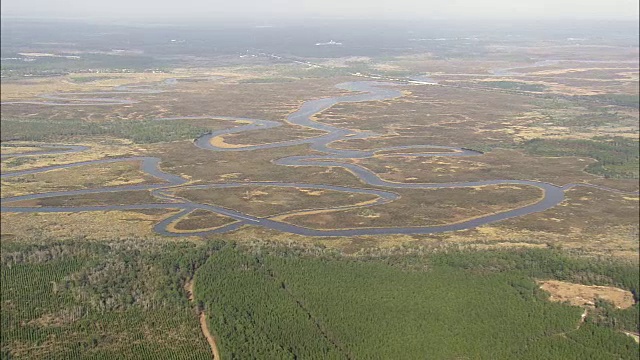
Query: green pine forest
point(127, 299)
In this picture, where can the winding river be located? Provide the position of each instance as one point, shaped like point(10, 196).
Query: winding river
point(330, 157)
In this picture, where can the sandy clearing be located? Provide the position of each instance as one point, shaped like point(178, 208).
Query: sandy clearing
point(585, 295)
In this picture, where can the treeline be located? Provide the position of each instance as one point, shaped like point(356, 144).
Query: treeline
point(514, 85)
point(628, 100)
point(537, 263)
point(617, 157)
point(606, 314)
point(61, 65)
point(138, 131)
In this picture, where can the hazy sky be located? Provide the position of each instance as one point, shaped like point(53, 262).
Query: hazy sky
point(477, 9)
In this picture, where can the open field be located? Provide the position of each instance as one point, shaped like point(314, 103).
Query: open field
point(497, 164)
point(270, 201)
point(283, 133)
point(30, 88)
point(8, 150)
point(83, 177)
point(90, 225)
point(424, 207)
point(201, 220)
point(200, 165)
point(221, 97)
point(100, 148)
point(586, 210)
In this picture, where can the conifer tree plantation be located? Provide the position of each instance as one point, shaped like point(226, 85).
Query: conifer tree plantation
point(270, 301)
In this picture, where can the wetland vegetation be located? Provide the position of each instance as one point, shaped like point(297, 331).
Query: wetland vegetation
point(138, 131)
point(616, 157)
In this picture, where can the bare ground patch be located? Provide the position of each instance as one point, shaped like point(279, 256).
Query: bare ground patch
point(586, 295)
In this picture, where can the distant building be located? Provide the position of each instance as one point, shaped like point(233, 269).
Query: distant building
point(329, 43)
